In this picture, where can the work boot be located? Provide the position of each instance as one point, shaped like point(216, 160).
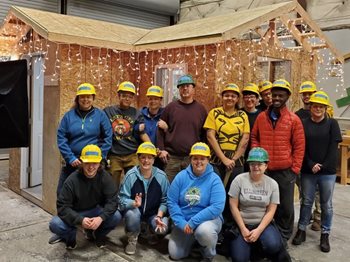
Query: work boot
point(316, 225)
point(324, 243)
point(130, 248)
point(299, 237)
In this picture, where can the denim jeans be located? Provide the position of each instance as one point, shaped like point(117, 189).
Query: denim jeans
point(309, 183)
point(270, 240)
point(68, 232)
point(180, 244)
point(133, 222)
point(65, 172)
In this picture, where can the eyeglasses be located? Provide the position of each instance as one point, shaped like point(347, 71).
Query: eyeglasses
point(126, 96)
point(226, 96)
point(249, 97)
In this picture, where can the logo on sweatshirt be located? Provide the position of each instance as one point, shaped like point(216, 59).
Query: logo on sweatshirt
point(193, 196)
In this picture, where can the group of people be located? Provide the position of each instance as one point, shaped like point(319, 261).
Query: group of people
point(182, 170)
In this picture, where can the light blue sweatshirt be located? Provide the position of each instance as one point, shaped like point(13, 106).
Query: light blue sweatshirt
point(195, 199)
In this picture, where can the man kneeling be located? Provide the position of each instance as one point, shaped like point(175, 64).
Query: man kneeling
point(88, 199)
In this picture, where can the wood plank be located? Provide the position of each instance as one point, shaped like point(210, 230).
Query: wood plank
point(306, 18)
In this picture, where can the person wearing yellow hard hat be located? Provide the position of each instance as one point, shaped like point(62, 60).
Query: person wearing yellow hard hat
point(122, 117)
point(149, 120)
point(322, 135)
point(253, 212)
point(266, 95)
point(228, 134)
point(196, 199)
point(83, 124)
point(185, 118)
point(307, 88)
point(143, 198)
point(281, 133)
point(250, 100)
point(88, 199)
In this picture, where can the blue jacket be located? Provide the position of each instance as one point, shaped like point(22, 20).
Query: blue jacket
point(154, 191)
point(193, 200)
point(150, 123)
point(75, 132)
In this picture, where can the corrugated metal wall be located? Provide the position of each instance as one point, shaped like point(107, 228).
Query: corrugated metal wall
point(117, 13)
point(45, 5)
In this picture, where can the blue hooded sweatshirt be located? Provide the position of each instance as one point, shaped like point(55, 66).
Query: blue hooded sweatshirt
point(195, 199)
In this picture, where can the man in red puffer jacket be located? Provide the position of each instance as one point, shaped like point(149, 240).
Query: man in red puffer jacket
point(281, 133)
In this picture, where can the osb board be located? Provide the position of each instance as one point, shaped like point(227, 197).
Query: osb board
point(83, 31)
point(14, 170)
point(51, 155)
point(244, 67)
point(200, 66)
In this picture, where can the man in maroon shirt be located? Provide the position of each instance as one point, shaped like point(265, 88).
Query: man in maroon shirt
point(185, 118)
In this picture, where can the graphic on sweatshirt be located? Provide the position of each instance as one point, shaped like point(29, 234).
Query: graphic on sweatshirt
point(122, 126)
point(193, 196)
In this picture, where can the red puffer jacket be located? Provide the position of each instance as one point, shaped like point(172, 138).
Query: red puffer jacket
point(285, 142)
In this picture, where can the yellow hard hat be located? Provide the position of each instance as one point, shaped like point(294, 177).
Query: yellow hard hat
point(282, 83)
point(155, 91)
point(91, 154)
point(251, 87)
point(265, 85)
point(320, 97)
point(86, 89)
point(231, 87)
point(127, 87)
point(307, 86)
point(147, 148)
point(200, 149)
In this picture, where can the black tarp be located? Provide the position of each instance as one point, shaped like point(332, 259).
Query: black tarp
point(14, 130)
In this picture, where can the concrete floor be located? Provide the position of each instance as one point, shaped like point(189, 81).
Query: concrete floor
point(24, 234)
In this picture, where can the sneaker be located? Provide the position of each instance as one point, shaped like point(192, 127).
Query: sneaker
point(55, 239)
point(130, 248)
point(71, 244)
point(299, 237)
point(100, 242)
point(88, 234)
point(316, 225)
point(324, 243)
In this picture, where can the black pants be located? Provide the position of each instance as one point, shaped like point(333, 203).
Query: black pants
point(284, 216)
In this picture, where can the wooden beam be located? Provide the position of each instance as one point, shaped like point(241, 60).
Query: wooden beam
point(295, 32)
point(306, 18)
point(319, 46)
point(346, 56)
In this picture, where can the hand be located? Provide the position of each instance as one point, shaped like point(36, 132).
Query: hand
point(75, 163)
point(95, 222)
point(188, 230)
point(317, 167)
point(164, 156)
point(163, 125)
point(141, 127)
point(138, 200)
point(229, 163)
point(254, 235)
point(86, 223)
point(245, 234)
point(161, 227)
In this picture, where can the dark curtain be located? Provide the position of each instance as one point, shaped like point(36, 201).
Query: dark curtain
point(14, 130)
